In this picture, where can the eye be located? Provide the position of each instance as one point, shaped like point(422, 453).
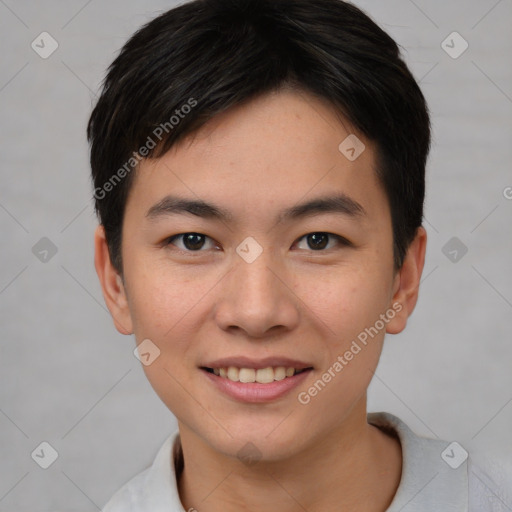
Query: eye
point(318, 241)
point(190, 242)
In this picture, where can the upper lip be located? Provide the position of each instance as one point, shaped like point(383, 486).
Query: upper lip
point(246, 362)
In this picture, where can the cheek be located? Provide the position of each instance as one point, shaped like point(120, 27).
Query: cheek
point(162, 307)
point(347, 301)
point(171, 308)
point(347, 309)
point(159, 299)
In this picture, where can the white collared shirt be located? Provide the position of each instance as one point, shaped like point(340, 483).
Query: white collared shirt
point(437, 476)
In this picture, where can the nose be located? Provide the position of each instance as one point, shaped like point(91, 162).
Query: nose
point(257, 298)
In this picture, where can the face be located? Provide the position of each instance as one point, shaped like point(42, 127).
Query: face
point(257, 244)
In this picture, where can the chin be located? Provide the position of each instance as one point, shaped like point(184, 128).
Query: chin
point(263, 442)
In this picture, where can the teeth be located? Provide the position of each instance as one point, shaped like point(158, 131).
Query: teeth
point(233, 373)
point(262, 375)
point(246, 375)
point(279, 373)
point(265, 375)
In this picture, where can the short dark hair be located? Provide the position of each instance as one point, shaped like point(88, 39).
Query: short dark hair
point(203, 57)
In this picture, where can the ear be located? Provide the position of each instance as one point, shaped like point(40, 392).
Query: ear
point(407, 282)
point(111, 284)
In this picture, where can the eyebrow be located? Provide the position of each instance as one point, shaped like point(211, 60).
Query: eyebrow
point(338, 203)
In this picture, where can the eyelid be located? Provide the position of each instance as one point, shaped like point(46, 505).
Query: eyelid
point(169, 241)
point(340, 239)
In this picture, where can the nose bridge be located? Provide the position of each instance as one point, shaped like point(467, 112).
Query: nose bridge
point(255, 284)
point(255, 299)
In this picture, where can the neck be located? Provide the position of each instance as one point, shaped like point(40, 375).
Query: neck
point(354, 467)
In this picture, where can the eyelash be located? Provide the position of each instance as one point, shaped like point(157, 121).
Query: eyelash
point(341, 240)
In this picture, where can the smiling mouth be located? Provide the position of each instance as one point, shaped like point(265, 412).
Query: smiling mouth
point(252, 375)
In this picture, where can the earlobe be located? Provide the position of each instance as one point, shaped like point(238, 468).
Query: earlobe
point(407, 282)
point(111, 284)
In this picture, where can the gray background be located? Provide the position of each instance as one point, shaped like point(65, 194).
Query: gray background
point(68, 378)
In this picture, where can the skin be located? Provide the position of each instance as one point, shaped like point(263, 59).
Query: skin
point(255, 160)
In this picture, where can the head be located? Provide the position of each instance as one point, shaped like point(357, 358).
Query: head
point(259, 174)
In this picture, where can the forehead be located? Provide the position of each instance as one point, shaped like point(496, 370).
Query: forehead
point(275, 150)
point(286, 123)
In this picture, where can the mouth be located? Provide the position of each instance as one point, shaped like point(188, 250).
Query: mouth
point(255, 385)
point(252, 375)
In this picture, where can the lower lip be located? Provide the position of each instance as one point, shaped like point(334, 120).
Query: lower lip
point(255, 392)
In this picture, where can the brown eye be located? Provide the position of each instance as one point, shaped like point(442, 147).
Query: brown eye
point(318, 241)
point(192, 242)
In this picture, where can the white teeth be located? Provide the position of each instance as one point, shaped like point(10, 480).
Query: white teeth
point(279, 373)
point(265, 375)
point(233, 373)
point(262, 375)
point(247, 375)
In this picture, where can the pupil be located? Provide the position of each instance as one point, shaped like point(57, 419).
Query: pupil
point(193, 241)
point(317, 240)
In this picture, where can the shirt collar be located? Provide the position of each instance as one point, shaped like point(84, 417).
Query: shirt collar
point(427, 481)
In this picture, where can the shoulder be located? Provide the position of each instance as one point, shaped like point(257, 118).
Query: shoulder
point(128, 498)
point(489, 482)
point(437, 474)
point(153, 489)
